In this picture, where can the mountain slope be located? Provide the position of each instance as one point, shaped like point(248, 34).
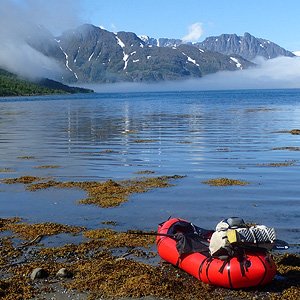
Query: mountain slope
point(93, 55)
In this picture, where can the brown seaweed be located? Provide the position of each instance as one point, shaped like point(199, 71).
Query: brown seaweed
point(104, 194)
point(100, 274)
point(225, 182)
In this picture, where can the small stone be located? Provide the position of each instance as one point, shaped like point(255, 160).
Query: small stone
point(38, 273)
point(120, 258)
point(64, 273)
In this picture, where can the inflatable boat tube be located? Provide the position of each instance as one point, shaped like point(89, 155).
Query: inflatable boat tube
point(255, 268)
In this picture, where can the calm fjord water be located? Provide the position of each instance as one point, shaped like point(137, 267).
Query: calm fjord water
point(203, 135)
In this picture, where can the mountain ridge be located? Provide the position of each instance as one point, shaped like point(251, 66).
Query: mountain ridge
point(246, 46)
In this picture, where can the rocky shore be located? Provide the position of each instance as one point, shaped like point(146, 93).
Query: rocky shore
point(108, 264)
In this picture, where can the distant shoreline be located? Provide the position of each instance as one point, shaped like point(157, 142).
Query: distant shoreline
point(12, 86)
point(50, 94)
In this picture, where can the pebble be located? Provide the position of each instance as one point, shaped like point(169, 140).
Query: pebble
point(38, 273)
point(64, 273)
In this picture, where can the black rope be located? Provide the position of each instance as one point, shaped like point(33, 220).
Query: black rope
point(153, 233)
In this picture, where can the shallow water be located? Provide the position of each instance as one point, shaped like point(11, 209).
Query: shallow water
point(203, 135)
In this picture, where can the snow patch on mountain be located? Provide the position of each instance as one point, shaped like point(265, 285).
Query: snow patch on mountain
point(237, 63)
point(120, 43)
point(144, 38)
point(125, 58)
point(189, 59)
point(67, 59)
point(91, 56)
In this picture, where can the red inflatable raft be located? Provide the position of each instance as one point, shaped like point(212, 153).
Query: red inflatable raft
point(252, 270)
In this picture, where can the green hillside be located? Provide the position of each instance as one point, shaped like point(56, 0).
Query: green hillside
point(11, 85)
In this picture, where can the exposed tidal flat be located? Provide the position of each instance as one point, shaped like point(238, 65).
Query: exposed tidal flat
point(83, 169)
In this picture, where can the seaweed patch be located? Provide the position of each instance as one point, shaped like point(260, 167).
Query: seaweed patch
point(144, 141)
point(104, 194)
point(293, 131)
point(225, 182)
point(284, 164)
point(109, 223)
point(23, 179)
point(48, 167)
point(145, 172)
point(6, 170)
point(261, 109)
point(287, 148)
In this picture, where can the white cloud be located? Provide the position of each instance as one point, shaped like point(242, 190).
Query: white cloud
point(18, 22)
point(195, 32)
point(113, 26)
point(280, 72)
point(21, 59)
point(277, 73)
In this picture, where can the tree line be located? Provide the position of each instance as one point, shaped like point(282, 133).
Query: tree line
point(11, 85)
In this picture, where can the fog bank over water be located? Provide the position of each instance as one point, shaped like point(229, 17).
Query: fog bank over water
point(277, 73)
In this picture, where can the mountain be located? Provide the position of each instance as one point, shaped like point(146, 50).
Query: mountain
point(90, 54)
point(246, 46)
point(11, 85)
point(93, 55)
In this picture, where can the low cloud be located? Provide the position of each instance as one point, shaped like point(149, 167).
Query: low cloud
point(19, 22)
point(23, 60)
point(113, 26)
point(277, 73)
point(280, 72)
point(195, 32)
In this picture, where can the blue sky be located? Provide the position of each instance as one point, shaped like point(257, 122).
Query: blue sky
point(276, 20)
